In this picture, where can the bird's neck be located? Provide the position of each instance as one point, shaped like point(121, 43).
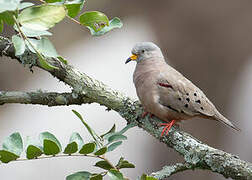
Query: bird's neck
point(151, 62)
point(146, 67)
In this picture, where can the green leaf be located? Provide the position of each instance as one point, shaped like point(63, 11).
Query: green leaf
point(19, 45)
point(145, 177)
point(44, 64)
point(13, 143)
point(8, 5)
point(83, 175)
point(103, 165)
point(112, 130)
point(116, 137)
point(87, 148)
point(114, 23)
point(42, 17)
point(53, 1)
point(71, 148)
point(33, 33)
point(101, 151)
point(96, 177)
point(124, 164)
point(33, 152)
point(114, 146)
point(46, 48)
point(115, 175)
point(78, 115)
point(7, 17)
point(42, 48)
point(24, 5)
point(126, 128)
point(12, 148)
point(75, 137)
point(151, 178)
point(34, 45)
point(34, 48)
point(108, 135)
point(75, 142)
point(51, 145)
point(1, 25)
point(90, 130)
point(94, 20)
point(34, 149)
point(6, 156)
point(62, 60)
point(74, 7)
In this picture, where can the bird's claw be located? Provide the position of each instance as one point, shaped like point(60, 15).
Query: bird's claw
point(167, 127)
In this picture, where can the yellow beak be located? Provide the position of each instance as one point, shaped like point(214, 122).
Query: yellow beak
point(131, 58)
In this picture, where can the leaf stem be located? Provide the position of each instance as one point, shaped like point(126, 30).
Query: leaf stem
point(105, 159)
point(43, 63)
point(61, 155)
point(25, 37)
point(72, 155)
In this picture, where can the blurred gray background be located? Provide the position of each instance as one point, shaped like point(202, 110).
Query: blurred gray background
point(210, 42)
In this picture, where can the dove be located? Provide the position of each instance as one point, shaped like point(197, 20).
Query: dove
point(166, 93)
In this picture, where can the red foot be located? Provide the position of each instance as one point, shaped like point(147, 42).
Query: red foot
point(167, 127)
point(146, 113)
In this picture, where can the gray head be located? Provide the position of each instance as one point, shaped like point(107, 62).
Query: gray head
point(144, 51)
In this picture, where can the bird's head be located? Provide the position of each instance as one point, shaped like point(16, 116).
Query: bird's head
point(143, 51)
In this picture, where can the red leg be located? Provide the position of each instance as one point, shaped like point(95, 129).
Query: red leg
point(146, 113)
point(167, 127)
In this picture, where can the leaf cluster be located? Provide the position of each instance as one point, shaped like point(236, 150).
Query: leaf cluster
point(32, 22)
point(48, 145)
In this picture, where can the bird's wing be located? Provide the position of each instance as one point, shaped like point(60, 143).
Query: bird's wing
point(178, 93)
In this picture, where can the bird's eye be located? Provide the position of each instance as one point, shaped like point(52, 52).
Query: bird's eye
point(143, 51)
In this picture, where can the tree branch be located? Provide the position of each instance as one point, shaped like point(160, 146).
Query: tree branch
point(42, 98)
point(195, 153)
point(167, 171)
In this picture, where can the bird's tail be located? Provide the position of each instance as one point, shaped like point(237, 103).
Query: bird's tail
point(221, 118)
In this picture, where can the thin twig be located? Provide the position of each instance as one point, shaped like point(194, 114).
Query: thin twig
point(58, 156)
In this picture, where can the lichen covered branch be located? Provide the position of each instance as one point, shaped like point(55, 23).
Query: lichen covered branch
point(167, 171)
point(196, 154)
point(42, 98)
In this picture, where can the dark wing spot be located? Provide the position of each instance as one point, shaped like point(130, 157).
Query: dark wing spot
point(165, 85)
point(179, 99)
point(195, 94)
point(186, 105)
point(182, 111)
point(187, 99)
point(198, 101)
point(187, 94)
point(201, 108)
point(172, 108)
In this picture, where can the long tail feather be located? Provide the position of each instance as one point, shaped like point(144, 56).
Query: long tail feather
point(225, 121)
